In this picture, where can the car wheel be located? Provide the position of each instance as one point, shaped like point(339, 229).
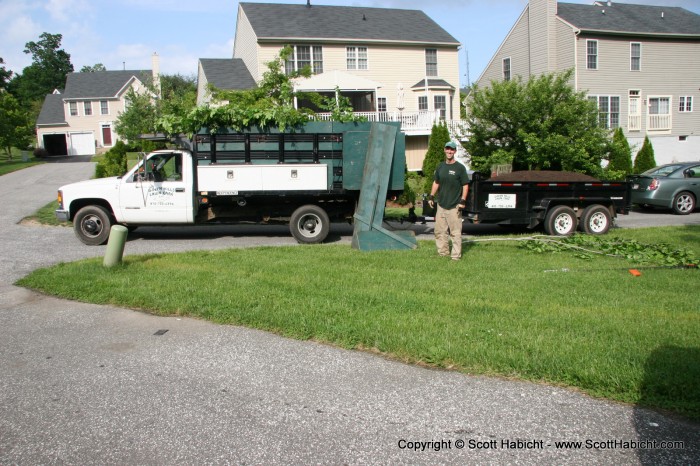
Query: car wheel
point(560, 221)
point(595, 220)
point(309, 224)
point(683, 203)
point(92, 224)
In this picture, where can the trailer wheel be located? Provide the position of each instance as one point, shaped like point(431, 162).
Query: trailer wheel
point(309, 224)
point(92, 224)
point(560, 221)
point(595, 220)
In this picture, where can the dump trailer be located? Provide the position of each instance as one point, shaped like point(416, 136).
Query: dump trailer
point(306, 177)
point(559, 206)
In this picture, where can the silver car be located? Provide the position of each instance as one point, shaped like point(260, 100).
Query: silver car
point(673, 186)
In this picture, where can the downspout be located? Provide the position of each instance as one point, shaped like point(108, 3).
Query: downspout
point(576, 34)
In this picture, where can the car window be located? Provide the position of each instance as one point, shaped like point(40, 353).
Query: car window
point(695, 172)
point(662, 171)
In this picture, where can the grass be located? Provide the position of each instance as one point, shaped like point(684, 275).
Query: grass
point(46, 215)
point(8, 166)
point(503, 310)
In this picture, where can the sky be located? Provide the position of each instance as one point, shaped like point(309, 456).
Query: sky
point(124, 34)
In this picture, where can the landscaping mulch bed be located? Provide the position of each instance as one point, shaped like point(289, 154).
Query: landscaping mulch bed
point(543, 175)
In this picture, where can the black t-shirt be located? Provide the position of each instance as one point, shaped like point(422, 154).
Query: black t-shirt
point(451, 177)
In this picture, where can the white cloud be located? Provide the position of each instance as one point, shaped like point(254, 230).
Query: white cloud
point(66, 11)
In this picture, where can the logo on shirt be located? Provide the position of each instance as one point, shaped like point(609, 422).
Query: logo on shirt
point(452, 172)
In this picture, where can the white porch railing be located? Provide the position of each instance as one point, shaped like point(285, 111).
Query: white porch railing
point(411, 122)
point(659, 122)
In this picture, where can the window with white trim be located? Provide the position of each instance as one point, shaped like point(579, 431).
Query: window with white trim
point(635, 56)
point(659, 115)
point(506, 69)
point(104, 107)
point(73, 108)
point(591, 54)
point(685, 103)
point(356, 58)
point(608, 110)
point(422, 103)
point(440, 105)
point(431, 64)
point(87, 108)
point(381, 104)
point(305, 55)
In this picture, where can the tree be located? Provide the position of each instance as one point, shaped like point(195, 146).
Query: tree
point(620, 157)
point(143, 110)
point(439, 135)
point(645, 157)
point(270, 103)
point(48, 70)
point(92, 69)
point(16, 129)
point(5, 75)
point(139, 117)
point(541, 124)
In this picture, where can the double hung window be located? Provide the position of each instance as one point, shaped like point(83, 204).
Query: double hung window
point(305, 55)
point(356, 58)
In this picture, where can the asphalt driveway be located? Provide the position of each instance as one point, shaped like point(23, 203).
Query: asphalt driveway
point(87, 384)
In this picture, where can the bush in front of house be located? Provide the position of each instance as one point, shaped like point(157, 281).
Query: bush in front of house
point(113, 163)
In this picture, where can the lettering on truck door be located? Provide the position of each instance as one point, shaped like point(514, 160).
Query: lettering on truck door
point(158, 192)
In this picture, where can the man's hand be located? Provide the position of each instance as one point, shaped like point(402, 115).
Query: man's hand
point(431, 201)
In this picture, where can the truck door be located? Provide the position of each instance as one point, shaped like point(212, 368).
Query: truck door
point(159, 192)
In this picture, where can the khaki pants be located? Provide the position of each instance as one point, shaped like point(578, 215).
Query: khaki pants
point(448, 224)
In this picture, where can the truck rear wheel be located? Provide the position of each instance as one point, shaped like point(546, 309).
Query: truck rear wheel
point(310, 224)
point(92, 224)
point(560, 221)
point(595, 220)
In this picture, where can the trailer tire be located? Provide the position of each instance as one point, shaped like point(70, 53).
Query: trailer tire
point(560, 221)
point(309, 224)
point(595, 220)
point(92, 224)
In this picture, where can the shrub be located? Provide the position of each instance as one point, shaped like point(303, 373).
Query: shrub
point(645, 157)
point(620, 156)
point(40, 152)
point(436, 153)
point(113, 163)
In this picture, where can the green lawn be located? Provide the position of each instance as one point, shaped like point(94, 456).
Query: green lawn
point(503, 310)
point(17, 163)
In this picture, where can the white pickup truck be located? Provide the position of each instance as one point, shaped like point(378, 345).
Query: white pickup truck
point(306, 178)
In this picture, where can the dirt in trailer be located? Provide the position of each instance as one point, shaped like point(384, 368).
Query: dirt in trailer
point(543, 175)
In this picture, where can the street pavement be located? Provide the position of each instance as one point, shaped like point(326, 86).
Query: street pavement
point(88, 384)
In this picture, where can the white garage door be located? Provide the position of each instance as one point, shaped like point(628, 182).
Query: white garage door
point(81, 144)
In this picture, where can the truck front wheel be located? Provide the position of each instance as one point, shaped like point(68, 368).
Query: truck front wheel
point(595, 220)
point(92, 224)
point(309, 224)
point(560, 221)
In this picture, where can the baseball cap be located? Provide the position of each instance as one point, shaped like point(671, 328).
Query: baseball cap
point(451, 145)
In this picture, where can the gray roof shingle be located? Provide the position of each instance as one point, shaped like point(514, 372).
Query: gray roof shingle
point(227, 73)
point(299, 22)
point(52, 111)
point(101, 84)
point(628, 18)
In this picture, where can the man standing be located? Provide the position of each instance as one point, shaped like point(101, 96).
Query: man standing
point(450, 184)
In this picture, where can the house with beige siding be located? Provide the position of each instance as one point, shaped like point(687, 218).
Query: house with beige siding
point(392, 64)
point(80, 119)
point(638, 63)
